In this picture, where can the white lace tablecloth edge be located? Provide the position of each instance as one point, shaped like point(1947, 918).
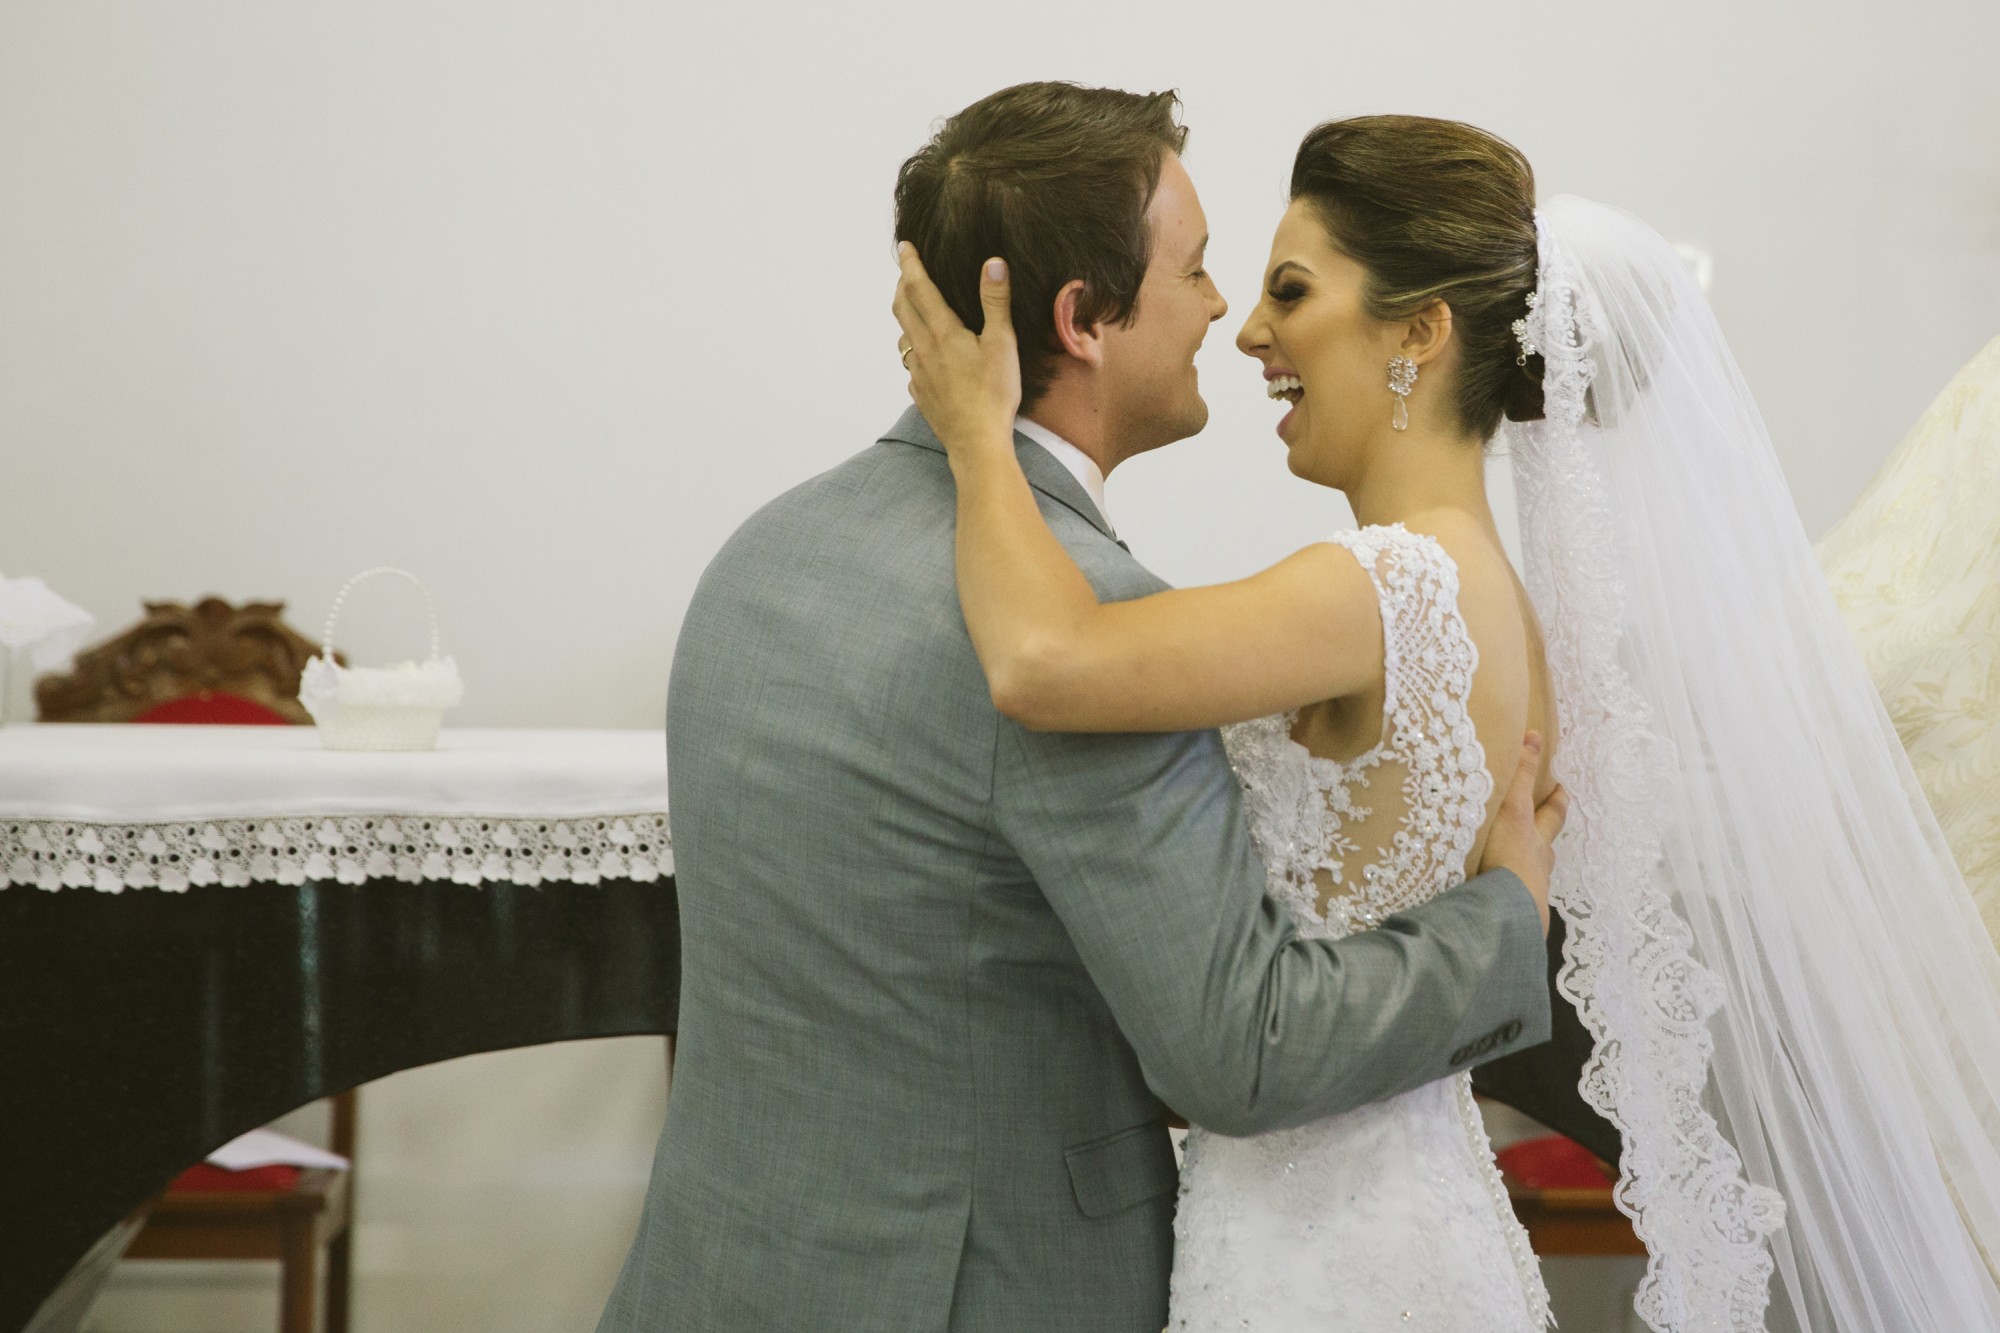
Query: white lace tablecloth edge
point(175, 855)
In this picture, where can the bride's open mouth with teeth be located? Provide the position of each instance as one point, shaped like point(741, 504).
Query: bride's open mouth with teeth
point(1290, 390)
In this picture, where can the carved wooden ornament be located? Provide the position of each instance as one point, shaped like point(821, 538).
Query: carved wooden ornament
point(178, 652)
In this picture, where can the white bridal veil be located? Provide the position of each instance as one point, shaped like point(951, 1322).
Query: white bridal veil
point(1796, 1008)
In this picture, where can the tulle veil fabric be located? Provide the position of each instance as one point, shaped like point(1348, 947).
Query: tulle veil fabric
point(1796, 1008)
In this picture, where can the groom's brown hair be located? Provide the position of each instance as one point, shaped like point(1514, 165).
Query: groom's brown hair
point(1055, 179)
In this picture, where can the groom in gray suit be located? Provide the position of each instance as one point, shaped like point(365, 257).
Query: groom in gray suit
point(944, 976)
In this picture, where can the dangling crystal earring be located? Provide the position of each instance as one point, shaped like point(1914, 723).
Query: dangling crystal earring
point(1402, 376)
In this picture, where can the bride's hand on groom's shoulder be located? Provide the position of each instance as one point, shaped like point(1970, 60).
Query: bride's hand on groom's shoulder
point(967, 385)
point(1523, 839)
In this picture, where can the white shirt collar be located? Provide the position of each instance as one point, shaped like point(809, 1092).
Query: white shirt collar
point(1080, 464)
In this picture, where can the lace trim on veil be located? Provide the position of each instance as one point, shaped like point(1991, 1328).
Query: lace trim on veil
point(1628, 966)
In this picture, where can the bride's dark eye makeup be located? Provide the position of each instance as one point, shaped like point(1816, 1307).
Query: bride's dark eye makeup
point(1281, 286)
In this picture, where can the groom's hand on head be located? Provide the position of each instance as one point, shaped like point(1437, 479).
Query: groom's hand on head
point(1524, 835)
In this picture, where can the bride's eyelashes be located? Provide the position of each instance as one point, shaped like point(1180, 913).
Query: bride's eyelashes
point(1285, 293)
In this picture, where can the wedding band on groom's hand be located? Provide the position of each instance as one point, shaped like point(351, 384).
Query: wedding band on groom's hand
point(906, 356)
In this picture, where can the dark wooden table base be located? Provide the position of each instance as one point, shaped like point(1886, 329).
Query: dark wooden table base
point(140, 1031)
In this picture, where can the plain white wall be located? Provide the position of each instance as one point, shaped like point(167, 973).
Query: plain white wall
point(542, 300)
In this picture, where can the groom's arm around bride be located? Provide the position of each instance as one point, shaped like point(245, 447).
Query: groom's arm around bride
point(941, 972)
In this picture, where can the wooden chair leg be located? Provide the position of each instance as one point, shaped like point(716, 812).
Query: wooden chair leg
point(339, 1279)
point(299, 1295)
point(339, 1272)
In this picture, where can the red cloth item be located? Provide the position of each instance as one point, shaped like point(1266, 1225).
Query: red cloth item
point(204, 1177)
point(1553, 1162)
point(215, 708)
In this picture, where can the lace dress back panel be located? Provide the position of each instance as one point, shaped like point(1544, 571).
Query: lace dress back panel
point(1392, 1215)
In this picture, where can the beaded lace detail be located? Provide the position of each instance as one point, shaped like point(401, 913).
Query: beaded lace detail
point(465, 849)
point(1392, 1215)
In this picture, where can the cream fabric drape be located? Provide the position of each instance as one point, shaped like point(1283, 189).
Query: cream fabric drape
point(1915, 568)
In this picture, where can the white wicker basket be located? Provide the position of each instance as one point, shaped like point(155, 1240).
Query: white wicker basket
point(379, 708)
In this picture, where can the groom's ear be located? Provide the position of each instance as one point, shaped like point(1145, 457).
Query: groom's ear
point(1085, 342)
point(1427, 333)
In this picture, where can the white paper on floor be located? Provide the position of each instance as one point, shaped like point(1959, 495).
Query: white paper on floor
point(263, 1147)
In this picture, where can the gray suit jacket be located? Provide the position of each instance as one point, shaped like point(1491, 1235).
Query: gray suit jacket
point(941, 972)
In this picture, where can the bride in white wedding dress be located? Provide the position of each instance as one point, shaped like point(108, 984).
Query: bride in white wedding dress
point(1392, 1215)
point(1795, 1010)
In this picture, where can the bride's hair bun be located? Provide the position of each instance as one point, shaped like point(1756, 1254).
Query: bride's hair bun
point(1437, 210)
point(1524, 395)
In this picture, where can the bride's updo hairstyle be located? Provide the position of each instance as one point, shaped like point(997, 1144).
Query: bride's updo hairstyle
point(1436, 210)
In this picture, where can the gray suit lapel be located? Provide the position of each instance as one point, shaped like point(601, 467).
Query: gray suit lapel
point(1044, 473)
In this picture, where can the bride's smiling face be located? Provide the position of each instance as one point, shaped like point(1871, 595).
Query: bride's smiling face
point(1321, 350)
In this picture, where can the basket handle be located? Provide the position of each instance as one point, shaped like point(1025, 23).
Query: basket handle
point(430, 608)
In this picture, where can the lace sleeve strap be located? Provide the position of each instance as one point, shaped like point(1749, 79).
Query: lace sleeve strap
point(1424, 636)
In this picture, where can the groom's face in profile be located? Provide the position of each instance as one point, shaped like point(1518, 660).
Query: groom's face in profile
point(1149, 393)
